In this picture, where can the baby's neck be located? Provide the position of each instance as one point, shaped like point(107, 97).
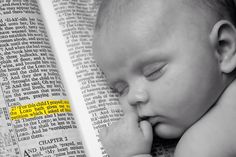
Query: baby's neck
point(228, 99)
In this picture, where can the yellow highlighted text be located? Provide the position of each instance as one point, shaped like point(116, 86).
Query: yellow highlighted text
point(39, 108)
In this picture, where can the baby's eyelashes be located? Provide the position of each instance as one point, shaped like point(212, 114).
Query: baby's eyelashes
point(153, 71)
point(121, 88)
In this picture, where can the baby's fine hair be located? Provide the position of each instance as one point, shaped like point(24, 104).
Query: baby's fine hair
point(224, 9)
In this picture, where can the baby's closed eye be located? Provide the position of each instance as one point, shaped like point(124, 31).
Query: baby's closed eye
point(153, 71)
point(121, 88)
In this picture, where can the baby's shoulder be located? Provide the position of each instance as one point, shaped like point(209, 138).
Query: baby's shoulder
point(206, 138)
point(214, 134)
point(190, 145)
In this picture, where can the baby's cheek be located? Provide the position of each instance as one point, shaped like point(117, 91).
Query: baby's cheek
point(168, 131)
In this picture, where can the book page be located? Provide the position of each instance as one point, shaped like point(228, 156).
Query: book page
point(76, 19)
point(72, 85)
point(35, 114)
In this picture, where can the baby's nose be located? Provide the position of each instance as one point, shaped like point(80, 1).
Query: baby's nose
point(138, 97)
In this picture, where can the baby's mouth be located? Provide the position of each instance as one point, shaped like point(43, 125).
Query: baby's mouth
point(143, 118)
point(153, 120)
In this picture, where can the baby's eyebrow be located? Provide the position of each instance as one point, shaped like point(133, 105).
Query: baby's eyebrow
point(150, 57)
point(111, 83)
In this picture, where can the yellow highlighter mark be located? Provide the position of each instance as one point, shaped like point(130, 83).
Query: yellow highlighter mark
point(39, 108)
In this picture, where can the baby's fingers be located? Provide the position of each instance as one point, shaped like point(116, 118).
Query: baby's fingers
point(132, 119)
point(146, 129)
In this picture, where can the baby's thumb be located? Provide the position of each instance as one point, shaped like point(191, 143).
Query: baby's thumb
point(146, 129)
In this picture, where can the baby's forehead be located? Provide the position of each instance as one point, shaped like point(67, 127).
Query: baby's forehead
point(136, 12)
point(115, 9)
point(113, 12)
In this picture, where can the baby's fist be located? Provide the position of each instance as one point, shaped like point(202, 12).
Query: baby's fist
point(127, 137)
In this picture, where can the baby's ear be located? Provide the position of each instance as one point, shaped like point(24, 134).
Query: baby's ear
point(223, 39)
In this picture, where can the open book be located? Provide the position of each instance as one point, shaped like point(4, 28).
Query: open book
point(53, 97)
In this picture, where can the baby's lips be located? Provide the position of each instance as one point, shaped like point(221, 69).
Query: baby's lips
point(143, 118)
point(153, 120)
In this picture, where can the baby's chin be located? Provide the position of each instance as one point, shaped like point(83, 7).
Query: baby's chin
point(167, 131)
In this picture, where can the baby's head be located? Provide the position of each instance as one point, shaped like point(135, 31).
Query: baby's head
point(169, 60)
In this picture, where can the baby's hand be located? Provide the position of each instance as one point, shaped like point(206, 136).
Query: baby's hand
point(127, 137)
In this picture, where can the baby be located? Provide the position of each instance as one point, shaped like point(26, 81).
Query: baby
point(173, 64)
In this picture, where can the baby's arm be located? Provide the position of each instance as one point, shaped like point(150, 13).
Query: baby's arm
point(128, 137)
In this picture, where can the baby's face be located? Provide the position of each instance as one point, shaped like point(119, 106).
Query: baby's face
point(168, 75)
